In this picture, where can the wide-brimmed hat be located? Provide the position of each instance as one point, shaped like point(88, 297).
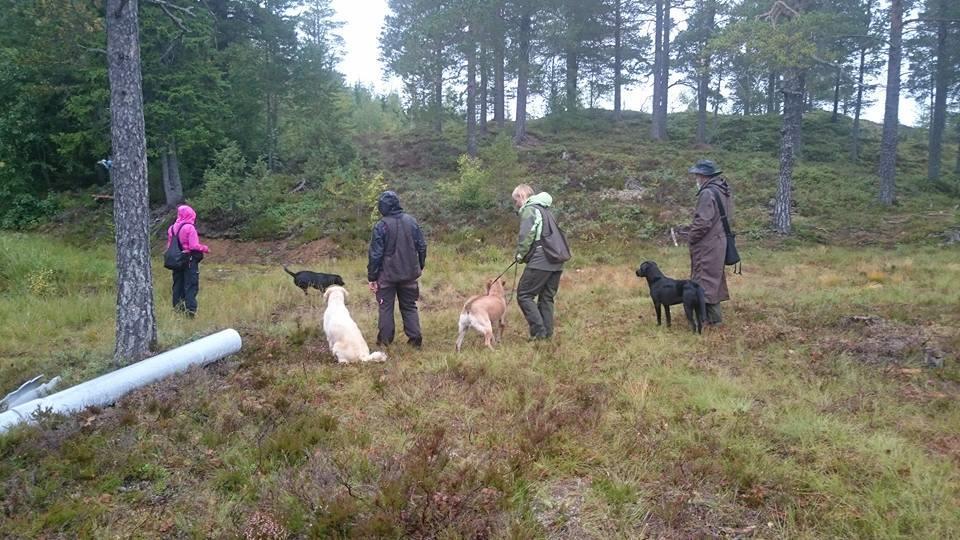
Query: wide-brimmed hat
point(705, 167)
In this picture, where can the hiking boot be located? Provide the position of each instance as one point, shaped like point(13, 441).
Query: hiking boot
point(416, 343)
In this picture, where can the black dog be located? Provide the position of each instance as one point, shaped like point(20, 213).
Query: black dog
point(667, 292)
point(318, 280)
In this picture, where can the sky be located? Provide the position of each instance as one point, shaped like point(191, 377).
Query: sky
point(363, 20)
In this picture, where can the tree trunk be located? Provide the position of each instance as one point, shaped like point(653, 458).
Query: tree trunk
point(272, 134)
point(617, 60)
point(165, 175)
point(772, 106)
point(855, 131)
point(483, 89)
point(523, 69)
point(703, 89)
point(836, 98)
point(956, 168)
point(798, 132)
point(136, 326)
point(471, 97)
point(498, 86)
point(665, 68)
point(172, 187)
point(719, 96)
point(661, 74)
point(571, 74)
point(657, 60)
point(888, 144)
point(175, 182)
point(703, 77)
point(939, 120)
point(789, 137)
point(438, 92)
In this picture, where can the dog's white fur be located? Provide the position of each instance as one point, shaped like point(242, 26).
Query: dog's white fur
point(343, 335)
point(480, 312)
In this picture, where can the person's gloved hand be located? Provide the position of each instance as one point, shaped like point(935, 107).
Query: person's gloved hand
point(518, 258)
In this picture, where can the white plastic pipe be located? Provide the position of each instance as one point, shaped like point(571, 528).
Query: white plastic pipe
point(107, 389)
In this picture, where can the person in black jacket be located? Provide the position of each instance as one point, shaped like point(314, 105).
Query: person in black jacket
point(398, 254)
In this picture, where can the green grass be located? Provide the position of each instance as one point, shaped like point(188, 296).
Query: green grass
point(781, 421)
point(794, 420)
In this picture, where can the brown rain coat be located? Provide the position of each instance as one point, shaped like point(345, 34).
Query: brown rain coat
point(708, 242)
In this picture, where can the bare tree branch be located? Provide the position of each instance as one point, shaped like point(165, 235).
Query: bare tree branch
point(930, 19)
point(777, 10)
point(173, 43)
point(819, 60)
point(97, 50)
point(171, 5)
point(168, 6)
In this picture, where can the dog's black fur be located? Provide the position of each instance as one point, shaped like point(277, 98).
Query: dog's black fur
point(667, 292)
point(318, 280)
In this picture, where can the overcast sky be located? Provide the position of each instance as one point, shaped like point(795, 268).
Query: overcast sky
point(363, 20)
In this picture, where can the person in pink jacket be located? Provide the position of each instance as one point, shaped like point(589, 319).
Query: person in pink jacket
point(186, 282)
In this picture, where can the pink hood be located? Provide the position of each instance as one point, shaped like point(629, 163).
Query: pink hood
point(187, 231)
point(185, 214)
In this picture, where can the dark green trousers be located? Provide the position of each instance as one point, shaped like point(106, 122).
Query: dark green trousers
point(713, 314)
point(542, 285)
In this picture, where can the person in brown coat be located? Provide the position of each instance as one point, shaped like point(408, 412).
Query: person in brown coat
point(708, 242)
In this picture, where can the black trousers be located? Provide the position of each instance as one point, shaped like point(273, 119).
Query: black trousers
point(186, 285)
point(542, 285)
point(407, 293)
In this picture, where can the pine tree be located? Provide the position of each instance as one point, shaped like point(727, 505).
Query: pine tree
point(136, 322)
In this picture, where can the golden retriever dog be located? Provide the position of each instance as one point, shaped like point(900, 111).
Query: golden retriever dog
point(480, 312)
point(343, 335)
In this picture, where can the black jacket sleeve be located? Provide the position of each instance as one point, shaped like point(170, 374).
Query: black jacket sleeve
point(421, 244)
point(375, 255)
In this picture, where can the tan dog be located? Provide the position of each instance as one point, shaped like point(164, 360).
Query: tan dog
point(480, 312)
point(343, 335)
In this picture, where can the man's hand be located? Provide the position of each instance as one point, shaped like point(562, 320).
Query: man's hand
point(374, 287)
point(518, 258)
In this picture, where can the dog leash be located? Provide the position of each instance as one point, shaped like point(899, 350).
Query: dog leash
point(514, 263)
point(516, 268)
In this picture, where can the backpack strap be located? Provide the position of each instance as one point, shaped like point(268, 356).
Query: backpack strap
point(738, 268)
point(176, 235)
point(723, 213)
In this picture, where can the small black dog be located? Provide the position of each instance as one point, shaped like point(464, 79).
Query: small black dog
point(667, 292)
point(318, 280)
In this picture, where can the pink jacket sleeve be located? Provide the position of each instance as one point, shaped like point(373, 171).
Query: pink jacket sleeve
point(189, 241)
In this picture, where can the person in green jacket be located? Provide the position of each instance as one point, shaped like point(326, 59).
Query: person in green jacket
point(541, 278)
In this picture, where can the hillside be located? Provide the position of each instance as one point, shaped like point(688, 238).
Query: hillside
point(587, 158)
point(826, 406)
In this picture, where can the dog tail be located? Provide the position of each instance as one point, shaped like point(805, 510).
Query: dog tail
point(288, 271)
point(374, 357)
point(701, 305)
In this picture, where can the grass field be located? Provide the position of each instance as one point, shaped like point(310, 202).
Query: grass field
point(812, 413)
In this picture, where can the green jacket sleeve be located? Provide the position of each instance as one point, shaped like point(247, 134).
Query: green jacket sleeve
point(530, 223)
